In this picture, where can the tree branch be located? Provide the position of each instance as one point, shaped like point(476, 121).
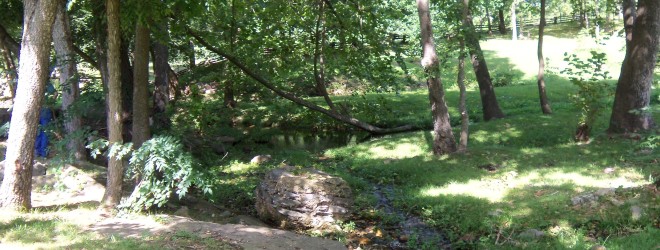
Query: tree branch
point(9, 42)
point(86, 57)
point(256, 76)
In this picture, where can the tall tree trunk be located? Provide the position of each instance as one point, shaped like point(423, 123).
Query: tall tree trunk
point(462, 106)
point(229, 97)
point(68, 80)
point(100, 27)
point(141, 132)
point(126, 87)
point(33, 74)
point(501, 26)
point(191, 55)
point(443, 141)
point(490, 106)
point(161, 81)
point(490, 26)
point(113, 188)
point(514, 28)
point(545, 105)
point(633, 91)
point(263, 81)
point(319, 58)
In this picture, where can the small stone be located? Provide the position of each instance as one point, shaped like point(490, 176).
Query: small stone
point(496, 213)
point(403, 238)
point(261, 159)
point(636, 212)
point(183, 211)
point(604, 191)
point(616, 202)
point(598, 247)
point(531, 234)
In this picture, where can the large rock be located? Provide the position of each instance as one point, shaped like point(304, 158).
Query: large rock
point(303, 199)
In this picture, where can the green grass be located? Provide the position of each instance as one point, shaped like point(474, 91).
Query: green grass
point(540, 167)
point(44, 229)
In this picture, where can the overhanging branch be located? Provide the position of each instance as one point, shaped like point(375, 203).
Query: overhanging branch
point(266, 83)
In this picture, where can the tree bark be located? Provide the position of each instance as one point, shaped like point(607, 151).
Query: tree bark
point(462, 106)
point(126, 85)
point(66, 62)
point(263, 81)
point(514, 28)
point(113, 188)
point(162, 81)
point(10, 70)
point(229, 96)
point(490, 26)
point(33, 74)
point(140, 128)
point(490, 106)
point(633, 91)
point(100, 27)
point(443, 141)
point(545, 105)
point(501, 26)
point(319, 59)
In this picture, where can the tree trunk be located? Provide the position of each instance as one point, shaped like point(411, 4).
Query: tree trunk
point(141, 132)
point(191, 55)
point(514, 28)
point(229, 97)
point(490, 26)
point(545, 105)
point(633, 91)
point(462, 106)
point(66, 62)
point(126, 86)
point(491, 108)
point(443, 141)
point(501, 26)
point(100, 27)
point(161, 82)
point(33, 74)
point(263, 81)
point(319, 59)
point(113, 188)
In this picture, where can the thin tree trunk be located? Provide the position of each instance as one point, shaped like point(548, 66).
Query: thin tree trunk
point(162, 79)
point(501, 27)
point(191, 55)
point(443, 141)
point(10, 70)
point(633, 92)
point(33, 74)
point(126, 86)
point(545, 105)
point(490, 106)
point(490, 27)
point(319, 63)
point(514, 31)
point(100, 27)
point(462, 106)
point(141, 130)
point(68, 80)
point(229, 97)
point(113, 188)
point(343, 118)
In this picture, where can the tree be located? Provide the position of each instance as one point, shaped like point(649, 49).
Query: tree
point(113, 188)
point(514, 25)
point(545, 105)
point(140, 127)
point(490, 106)
point(68, 80)
point(33, 74)
point(443, 141)
point(633, 91)
point(462, 108)
point(161, 72)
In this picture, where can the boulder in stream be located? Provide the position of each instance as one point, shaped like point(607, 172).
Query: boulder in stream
point(303, 199)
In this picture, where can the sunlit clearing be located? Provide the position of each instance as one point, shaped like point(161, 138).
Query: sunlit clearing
point(398, 151)
point(489, 136)
point(495, 189)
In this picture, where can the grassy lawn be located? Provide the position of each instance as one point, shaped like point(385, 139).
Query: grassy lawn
point(539, 168)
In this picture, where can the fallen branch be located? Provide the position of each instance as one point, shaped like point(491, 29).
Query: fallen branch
point(334, 115)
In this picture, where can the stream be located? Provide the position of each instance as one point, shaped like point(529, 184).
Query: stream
point(420, 235)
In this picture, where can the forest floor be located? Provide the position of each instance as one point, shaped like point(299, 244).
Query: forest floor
point(64, 215)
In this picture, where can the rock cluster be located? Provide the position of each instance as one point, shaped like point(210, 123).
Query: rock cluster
point(303, 199)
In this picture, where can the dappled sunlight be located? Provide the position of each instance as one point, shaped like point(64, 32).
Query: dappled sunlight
point(505, 134)
point(497, 189)
point(398, 151)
